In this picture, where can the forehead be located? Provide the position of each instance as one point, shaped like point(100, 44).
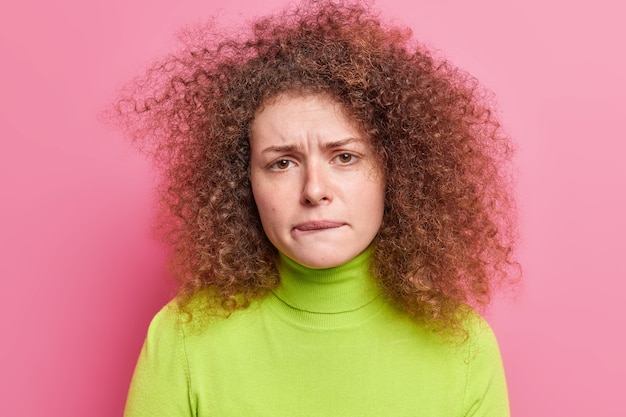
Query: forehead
point(296, 115)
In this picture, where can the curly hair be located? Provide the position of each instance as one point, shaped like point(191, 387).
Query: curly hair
point(448, 230)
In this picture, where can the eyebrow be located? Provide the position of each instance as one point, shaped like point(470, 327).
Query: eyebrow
point(327, 145)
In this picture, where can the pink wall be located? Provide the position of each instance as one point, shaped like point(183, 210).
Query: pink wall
point(81, 277)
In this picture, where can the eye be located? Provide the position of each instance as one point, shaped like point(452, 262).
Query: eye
point(281, 164)
point(345, 158)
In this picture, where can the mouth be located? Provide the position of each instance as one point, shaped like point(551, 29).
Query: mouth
point(317, 225)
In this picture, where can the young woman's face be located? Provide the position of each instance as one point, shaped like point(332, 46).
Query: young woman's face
point(317, 184)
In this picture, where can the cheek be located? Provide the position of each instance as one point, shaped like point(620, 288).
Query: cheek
point(376, 203)
point(375, 187)
point(266, 207)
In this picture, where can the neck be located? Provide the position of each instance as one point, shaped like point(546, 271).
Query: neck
point(340, 289)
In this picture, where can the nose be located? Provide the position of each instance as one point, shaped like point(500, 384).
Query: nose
point(316, 189)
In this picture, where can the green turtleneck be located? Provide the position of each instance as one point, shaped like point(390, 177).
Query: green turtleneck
point(325, 343)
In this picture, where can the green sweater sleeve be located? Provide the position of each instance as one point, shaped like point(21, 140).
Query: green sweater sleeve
point(486, 391)
point(160, 384)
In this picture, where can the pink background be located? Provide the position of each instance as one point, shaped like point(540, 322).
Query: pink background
point(81, 276)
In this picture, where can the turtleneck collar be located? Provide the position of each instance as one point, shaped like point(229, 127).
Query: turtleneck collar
point(341, 289)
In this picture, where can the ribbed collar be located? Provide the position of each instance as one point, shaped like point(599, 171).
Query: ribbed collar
point(341, 289)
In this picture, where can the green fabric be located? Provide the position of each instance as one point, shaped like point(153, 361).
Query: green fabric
point(326, 343)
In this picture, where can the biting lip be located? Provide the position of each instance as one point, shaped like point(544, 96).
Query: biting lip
point(317, 225)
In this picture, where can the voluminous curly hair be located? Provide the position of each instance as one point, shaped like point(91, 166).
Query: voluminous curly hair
point(448, 229)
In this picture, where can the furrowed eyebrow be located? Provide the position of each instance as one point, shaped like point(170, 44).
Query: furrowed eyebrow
point(340, 143)
point(281, 149)
point(327, 145)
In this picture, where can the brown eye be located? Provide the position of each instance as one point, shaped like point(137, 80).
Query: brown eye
point(345, 158)
point(282, 164)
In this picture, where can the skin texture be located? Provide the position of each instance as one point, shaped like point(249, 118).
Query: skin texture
point(316, 180)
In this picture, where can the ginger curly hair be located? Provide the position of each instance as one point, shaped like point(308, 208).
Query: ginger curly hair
point(448, 230)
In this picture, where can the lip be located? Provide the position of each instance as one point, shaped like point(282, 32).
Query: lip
point(316, 225)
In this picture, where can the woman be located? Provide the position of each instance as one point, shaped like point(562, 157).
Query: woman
point(337, 204)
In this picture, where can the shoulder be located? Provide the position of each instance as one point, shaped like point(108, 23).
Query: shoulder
point(165, 332)
point(178, 318)
point(481, 339)
point(162, 371)
point(171, 326)
point(199, 322)
point(485, 387)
